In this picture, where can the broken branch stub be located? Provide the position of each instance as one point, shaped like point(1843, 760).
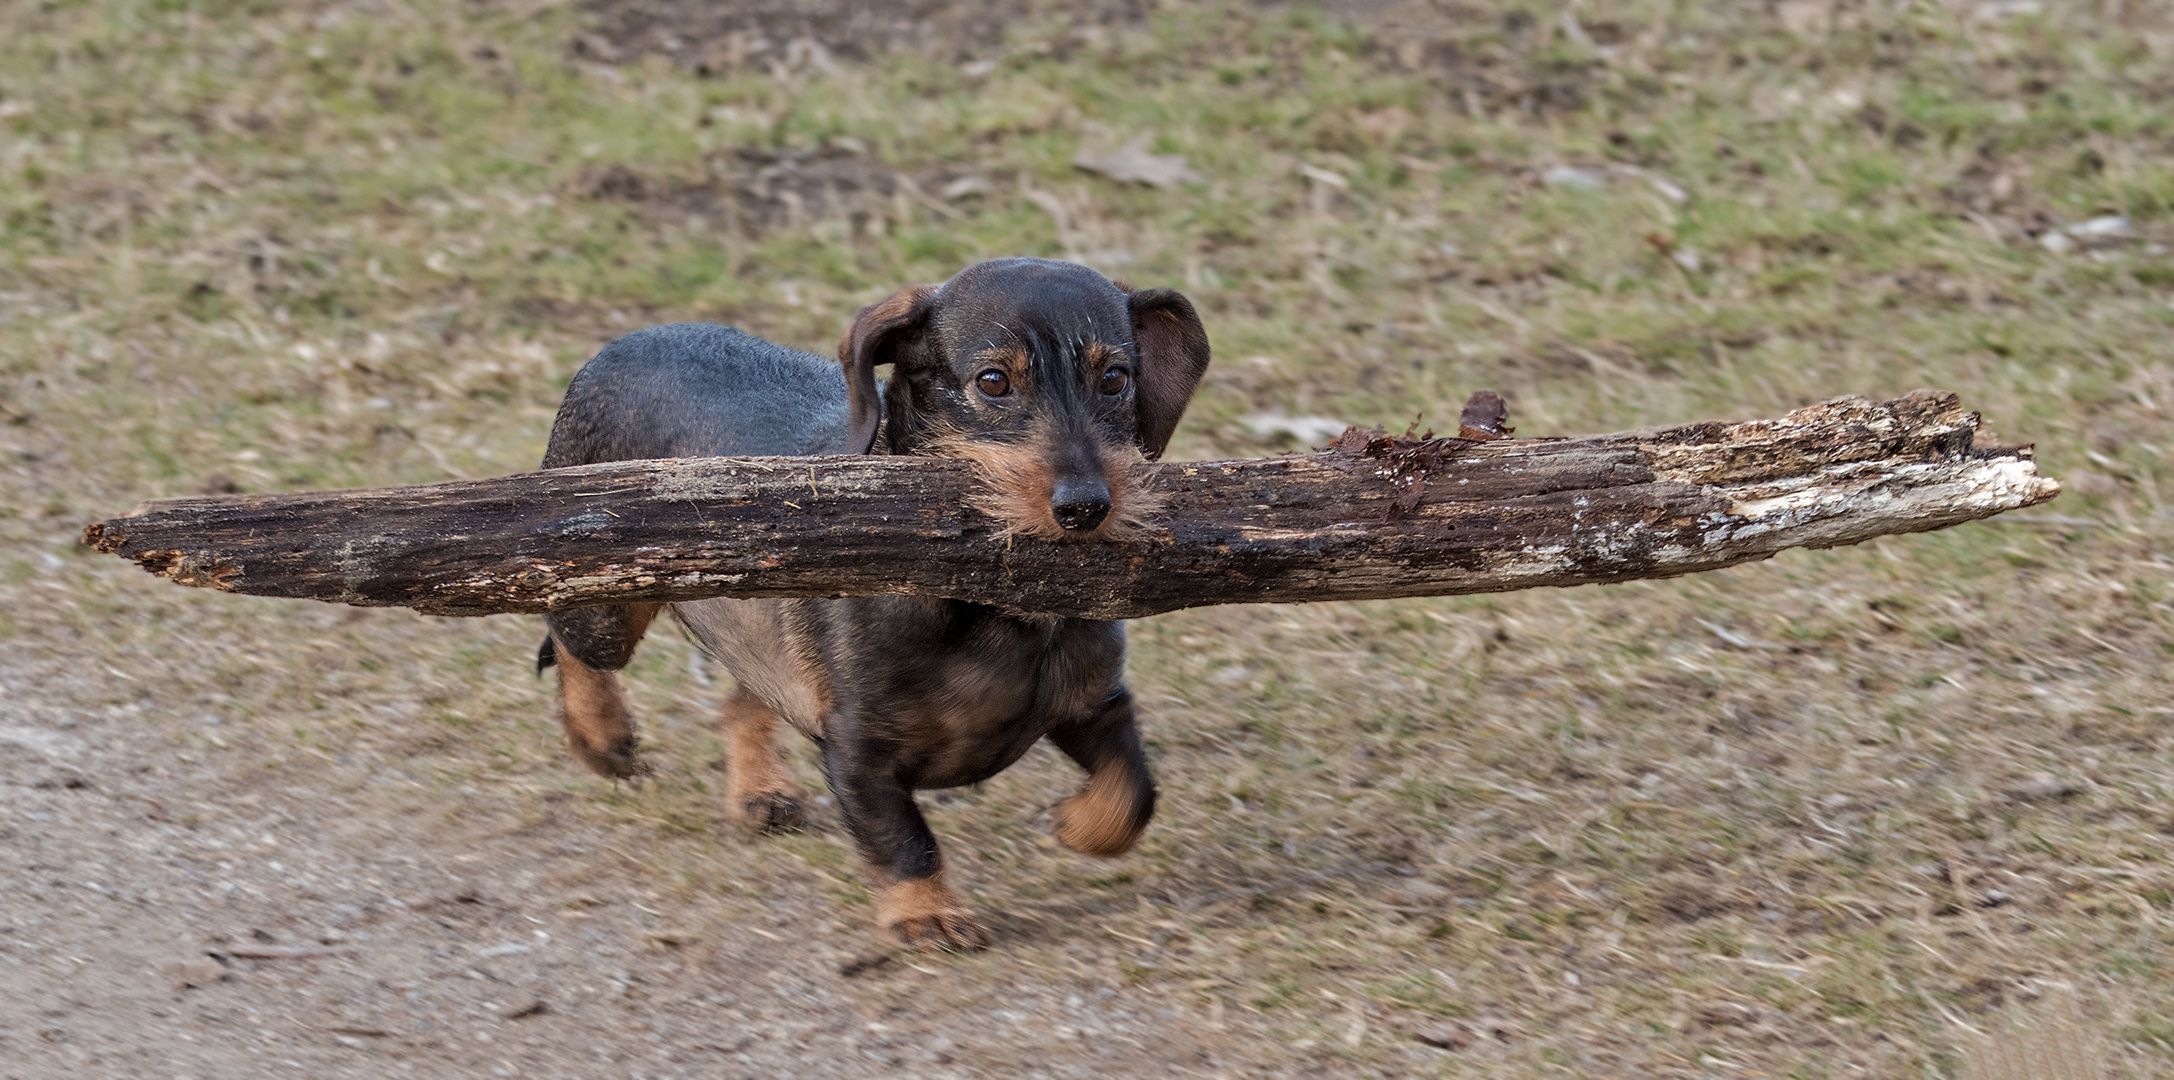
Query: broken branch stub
point(1380, 518)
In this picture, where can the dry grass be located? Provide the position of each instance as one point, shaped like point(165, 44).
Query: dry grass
point(1821, 817)
point(2051, 1043)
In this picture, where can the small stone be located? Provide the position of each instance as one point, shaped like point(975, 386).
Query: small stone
point(2101, 231)
point(191, 974)
point(1667, 189)
point(863, 964)
point(52, 744)
point(965, 186)
point(1443, 1035)
point(1726, 1014)
point(2043, 786)
point(1323, 176)
point(1231, 676)
point(1568, 176)
point(1310, 430)
point(2103, 225)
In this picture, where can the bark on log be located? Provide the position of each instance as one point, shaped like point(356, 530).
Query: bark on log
point(1491, 516)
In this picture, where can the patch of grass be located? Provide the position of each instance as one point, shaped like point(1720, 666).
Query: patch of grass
point(316, 248)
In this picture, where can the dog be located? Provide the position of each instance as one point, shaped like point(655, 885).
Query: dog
point(1058, 383)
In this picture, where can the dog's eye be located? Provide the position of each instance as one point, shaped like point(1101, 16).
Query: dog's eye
point(994, 383)
point(1114, 381)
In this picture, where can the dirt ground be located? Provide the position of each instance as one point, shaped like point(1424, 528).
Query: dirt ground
point(1896, 810)
point(180, 914)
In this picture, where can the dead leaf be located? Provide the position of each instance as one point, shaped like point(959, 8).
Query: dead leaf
point(1132, 163)
point(1384, 125)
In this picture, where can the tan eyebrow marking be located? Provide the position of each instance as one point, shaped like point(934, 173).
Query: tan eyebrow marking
point(1011, 358)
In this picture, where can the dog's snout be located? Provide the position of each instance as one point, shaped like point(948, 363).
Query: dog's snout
point(1080, 504)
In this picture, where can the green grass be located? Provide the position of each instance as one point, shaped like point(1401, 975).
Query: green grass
point(319, 248)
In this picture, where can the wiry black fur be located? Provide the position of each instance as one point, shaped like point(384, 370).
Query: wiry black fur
point(685, 390)
point(909, 692)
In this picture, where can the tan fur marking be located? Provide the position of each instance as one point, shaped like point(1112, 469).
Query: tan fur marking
point(1012, 360)
point(593, 710)
point(1101, 820)
point(759, 794)
point(1133, 505)
point(1017, 482)
point(639, 616)
point(923, 913)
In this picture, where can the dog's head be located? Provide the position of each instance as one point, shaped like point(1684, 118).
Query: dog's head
point(1054, 379)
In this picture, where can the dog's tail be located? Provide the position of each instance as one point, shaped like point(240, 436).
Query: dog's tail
point(546, 656)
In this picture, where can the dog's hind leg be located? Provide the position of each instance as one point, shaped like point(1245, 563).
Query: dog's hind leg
point(1110, 812)
point(759, 794)
point(589, 646)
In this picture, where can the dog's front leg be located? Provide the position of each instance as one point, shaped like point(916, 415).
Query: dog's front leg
point(1109, 813)
point(913, 904)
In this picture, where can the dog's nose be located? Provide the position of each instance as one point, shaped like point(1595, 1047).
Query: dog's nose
point(1080, 504)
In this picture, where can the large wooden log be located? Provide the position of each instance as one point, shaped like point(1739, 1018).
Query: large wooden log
point(1376, 517)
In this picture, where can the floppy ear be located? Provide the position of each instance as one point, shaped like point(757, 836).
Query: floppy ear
point(877, 335)
point(1173, 354)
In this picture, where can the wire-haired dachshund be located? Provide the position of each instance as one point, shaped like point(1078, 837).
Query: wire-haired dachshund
point(1059, 383)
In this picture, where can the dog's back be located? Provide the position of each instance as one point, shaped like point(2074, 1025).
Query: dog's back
point(705, 390)
point(699, 390)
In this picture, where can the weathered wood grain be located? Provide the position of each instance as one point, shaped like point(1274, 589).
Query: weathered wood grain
point(1493, 516)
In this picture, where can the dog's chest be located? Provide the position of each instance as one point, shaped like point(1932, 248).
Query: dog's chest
point(970, 693)
point(951, 692)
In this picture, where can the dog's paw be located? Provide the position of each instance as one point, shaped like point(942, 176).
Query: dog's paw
point(924, 914)
point(943, 932)
point(769, 812)
point(1105, 818)
point(619, 759)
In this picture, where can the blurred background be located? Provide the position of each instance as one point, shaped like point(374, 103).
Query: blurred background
point(1900, 809)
